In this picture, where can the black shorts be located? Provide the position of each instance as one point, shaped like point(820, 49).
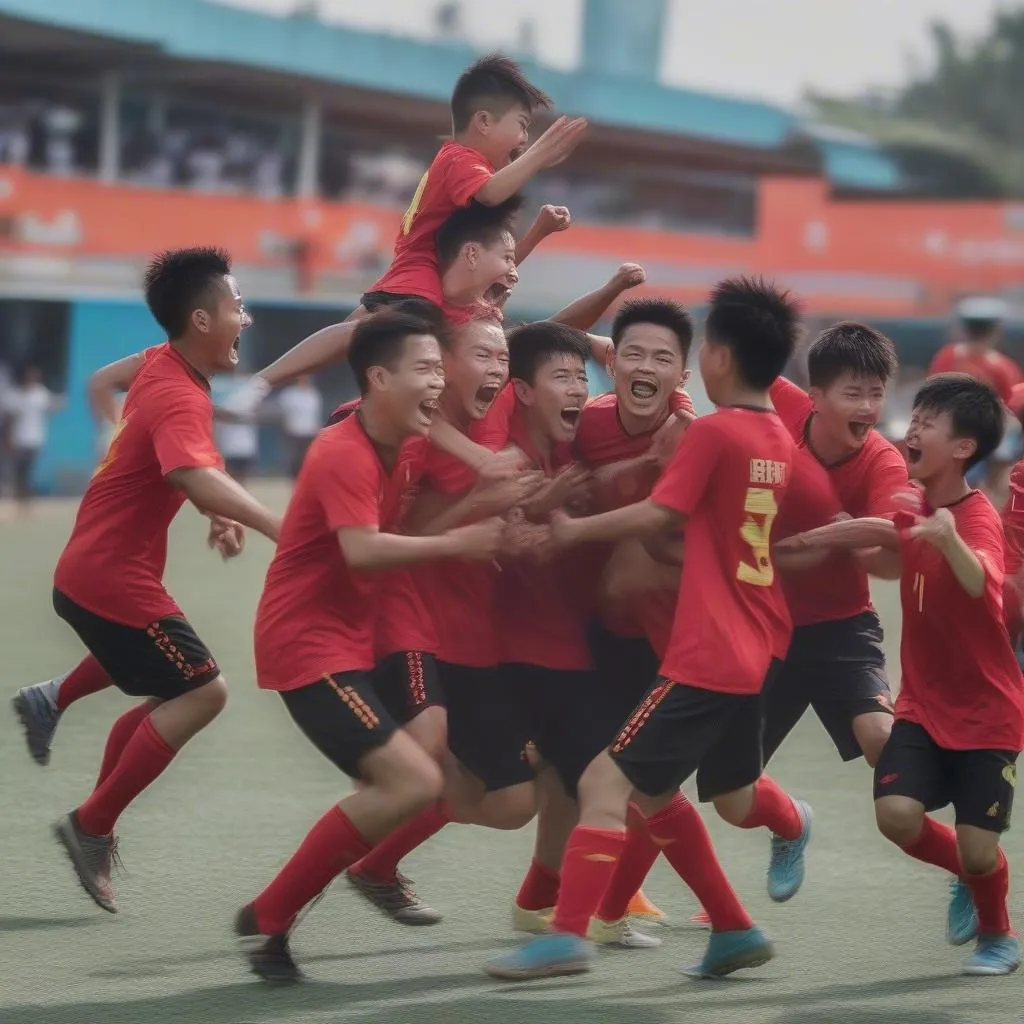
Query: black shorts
point(570, 716)
point(342, 716)
point(407, 683)
point(836, 668)
point(164, 659)
point(372, 301)
point(485, 729)
point(677, 730)
point(978, 783)
point(630, 661)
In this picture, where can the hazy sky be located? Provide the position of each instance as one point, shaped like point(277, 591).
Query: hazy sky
point(766, 48)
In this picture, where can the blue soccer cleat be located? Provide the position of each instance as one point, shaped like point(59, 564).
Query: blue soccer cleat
point(995, 954)
point(733, 951)
point(786, 867)
point(962, 916)
point(546, 956)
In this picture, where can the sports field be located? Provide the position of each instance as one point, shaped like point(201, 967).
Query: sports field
point(862, 943)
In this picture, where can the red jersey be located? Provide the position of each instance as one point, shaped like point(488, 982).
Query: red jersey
point(461, 598)
point(961, 680)
point(403, 623)
point(600, 441)
point(992, 367)
point(113, 564)
point(865, 484)
point(316, 616)
point(728, 478)
point(455, 176)
point(1013, 550)
point(540, 608)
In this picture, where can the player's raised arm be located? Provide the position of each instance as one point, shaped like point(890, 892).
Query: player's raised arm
point(549, 221)
point(106, 383)
point(585, 311)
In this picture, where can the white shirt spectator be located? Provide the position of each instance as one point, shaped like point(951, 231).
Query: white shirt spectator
point(302, 410)
point(28, 408)
point(238, 440)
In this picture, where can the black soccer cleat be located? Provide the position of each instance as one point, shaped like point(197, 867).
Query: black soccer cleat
point(37, 712)
point(268, 955)
point(92, 857)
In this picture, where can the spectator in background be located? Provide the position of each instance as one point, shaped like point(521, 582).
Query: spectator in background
point(239, 443)
point(302, 416)
point(975, 353)
point(27, 407)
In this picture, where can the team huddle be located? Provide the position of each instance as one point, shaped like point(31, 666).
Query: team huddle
point(492, 599)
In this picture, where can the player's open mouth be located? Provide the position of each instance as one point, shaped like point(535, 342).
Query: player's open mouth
point(644, 390)
point(860, 430)
point(235, 344)
point(427, 410)
point(486, 395)
point(913, 454)
point(571, 416)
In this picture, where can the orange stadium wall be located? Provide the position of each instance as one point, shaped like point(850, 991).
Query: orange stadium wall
point(852, 257)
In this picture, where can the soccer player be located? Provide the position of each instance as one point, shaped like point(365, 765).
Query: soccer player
point(725, 481)
point(492, 107)
point(314, 631)
point(960, 710)
point(108, 585)
point(835, 663)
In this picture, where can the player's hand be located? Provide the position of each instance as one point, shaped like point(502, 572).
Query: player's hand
point(523, 539)
point(500, 465)
point(667, 437)
point(480, 542)
point(226, 537)
point(560, 140)
point(551, 219)
point(564, 530)
point(494, 497)
point(629, 275)
point(246, 399)
point(938, 529)
point(571, 484)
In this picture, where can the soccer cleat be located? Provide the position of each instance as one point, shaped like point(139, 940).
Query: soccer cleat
point(994, 954)
point(531, 922)
point(733, 951)
point(643, 909)
point(36, 708)
point(701, 919)
point(91, 857)
point(620, 934)
point(545, 956)
point(786, 867)
point(396, 898)
point(268, 955)
point(961, 917)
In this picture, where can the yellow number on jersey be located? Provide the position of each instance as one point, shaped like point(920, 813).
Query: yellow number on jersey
point(756, 531)
point(111, 448)
point(410, 214)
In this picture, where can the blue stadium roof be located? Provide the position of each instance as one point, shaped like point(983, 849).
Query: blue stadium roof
point(302, 46)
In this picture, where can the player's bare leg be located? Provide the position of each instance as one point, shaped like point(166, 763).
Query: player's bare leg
point(872, 731)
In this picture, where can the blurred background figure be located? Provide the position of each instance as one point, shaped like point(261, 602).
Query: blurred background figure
point(239, 442)
point(302, 415)
point(27, 406)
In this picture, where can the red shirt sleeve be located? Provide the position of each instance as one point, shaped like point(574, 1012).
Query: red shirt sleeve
point(982, 532)
point(1013, 521)
point(467, 172)
point(182, 429)
point(793, 405)
point(888, 478)
point(943, 361)
point(348, 486)
point(686, 477)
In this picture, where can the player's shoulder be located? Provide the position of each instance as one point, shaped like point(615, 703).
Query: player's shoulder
point(452, 152)
point(976, 510)
point(881, 452)
point(599, 409)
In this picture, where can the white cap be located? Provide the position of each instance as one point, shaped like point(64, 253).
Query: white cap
point(982, 308)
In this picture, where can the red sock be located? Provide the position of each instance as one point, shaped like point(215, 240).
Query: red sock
point(381, 863)
point(936, 844)
point(588, 865)
point(145, 756)
point(683, 837)
point(638, 856)
point(121, 732)
point(990, 892)
point(85, 678)
point(539, 890)
point(773, 809)
point(331, 846)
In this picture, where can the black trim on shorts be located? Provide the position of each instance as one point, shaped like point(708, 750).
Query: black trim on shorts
point(342, 716)
point(165, 659)
point(408, 683)
point(978, 783)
